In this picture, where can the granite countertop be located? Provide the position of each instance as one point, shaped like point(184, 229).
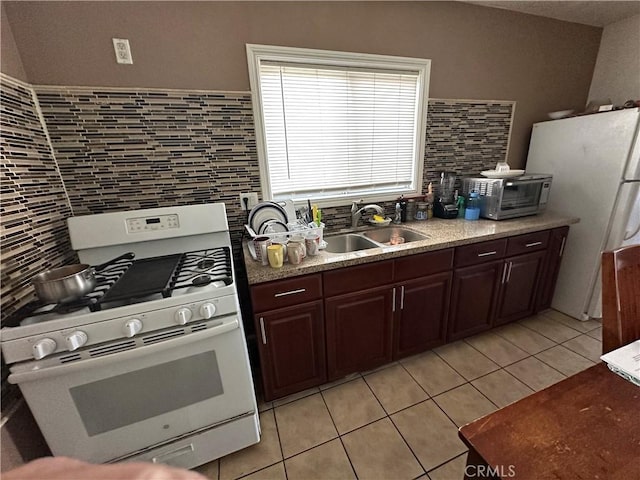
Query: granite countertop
point(442, 234)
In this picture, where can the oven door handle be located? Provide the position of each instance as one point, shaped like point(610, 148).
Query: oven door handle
point(38, 373)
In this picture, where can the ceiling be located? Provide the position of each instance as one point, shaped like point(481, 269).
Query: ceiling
point(595, 13)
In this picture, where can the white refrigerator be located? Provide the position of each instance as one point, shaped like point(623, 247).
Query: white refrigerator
point(595, 163)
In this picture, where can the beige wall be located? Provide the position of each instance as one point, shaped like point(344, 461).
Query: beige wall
point(617, 73)
point(10, 62)
point(477, 52)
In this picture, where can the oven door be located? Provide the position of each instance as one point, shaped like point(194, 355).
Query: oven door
point(520, 198)
point(102, 408)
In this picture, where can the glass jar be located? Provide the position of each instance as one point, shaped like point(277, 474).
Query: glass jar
point(421, 213)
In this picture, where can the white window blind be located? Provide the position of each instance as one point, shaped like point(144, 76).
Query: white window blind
point(340, 131)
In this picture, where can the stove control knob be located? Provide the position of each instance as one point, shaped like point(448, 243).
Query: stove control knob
point(183, 316)
point(207, 310)
point(75, 340)
point(44, 347)
point(131, 327)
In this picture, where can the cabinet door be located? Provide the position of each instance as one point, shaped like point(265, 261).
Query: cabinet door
point(292, 349)
point(359, 330)
point(421, 317)
point(557, 241)
point(520, 278)
point(474, 293)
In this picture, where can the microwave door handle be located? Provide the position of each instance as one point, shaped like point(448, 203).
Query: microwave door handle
point(524, 182)
point(126, 356)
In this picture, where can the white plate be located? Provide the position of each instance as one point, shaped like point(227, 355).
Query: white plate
point(266, 211)
point(273, 226)
point(507, 174)
point(289, 209)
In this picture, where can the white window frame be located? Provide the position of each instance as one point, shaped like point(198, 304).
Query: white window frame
point(258, 53)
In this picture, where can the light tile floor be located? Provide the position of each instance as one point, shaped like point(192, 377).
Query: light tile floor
point(401, 421)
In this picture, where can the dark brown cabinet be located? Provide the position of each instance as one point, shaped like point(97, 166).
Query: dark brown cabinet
point(473, 298)
point(359, 331)
point(422, 306)
point(520, 279)
point(292, 349)
point(557, 242)
point(421, 314)
point(291, 335)
point(321, 327)
point(475, 289)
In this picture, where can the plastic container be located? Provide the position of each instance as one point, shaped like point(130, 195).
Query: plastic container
point(472, 210)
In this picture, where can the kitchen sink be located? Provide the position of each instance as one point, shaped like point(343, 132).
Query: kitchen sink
point(383, 235)
point(379, 237)
point(348, 242)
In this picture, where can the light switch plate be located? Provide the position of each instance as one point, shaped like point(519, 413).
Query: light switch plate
point(123, 50)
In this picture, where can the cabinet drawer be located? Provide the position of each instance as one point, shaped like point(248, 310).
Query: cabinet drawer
point(283, 293)
point(530, 242)
point(480, 252)
point(354, 279)
point(415, 266)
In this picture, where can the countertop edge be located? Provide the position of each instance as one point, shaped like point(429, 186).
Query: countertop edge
point(463, 234)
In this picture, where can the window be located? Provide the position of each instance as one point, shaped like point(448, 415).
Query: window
point(335, 126)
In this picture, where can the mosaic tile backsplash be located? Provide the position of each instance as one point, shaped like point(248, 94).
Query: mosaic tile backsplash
point(33, 205)
point(120, 149)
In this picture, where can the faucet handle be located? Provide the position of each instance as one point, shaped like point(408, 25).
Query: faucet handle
point(354, 207)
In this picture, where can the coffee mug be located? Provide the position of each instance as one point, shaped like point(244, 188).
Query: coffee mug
point(260, 245)
point(298, 239)
point(284, 244)
point(275, 253)
point(295, 253)
point(312, 242)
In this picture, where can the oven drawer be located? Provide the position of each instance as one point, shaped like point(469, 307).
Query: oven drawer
point(530, 242)
point(284, 293)
point(480, 253)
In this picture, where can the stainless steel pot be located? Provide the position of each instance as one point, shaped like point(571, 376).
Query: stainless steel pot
point(71, 282)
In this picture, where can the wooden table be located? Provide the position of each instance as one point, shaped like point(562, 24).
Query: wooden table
point(586, 426)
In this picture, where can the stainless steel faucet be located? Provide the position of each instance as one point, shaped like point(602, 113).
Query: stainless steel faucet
point(356, 213)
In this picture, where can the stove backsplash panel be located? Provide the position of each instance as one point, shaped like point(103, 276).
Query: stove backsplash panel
point(34, 207)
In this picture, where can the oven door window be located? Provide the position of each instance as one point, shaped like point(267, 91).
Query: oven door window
point(131, 397)
point(520, 195)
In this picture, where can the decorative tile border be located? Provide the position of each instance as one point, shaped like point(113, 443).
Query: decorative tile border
point(33, 206)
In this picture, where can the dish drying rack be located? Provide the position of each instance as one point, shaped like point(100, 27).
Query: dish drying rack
point(295, 228)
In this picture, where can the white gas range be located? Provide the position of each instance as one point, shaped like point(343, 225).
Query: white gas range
point(152, 365)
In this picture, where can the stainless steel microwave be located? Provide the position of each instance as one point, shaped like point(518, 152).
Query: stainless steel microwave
point(502, 198)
